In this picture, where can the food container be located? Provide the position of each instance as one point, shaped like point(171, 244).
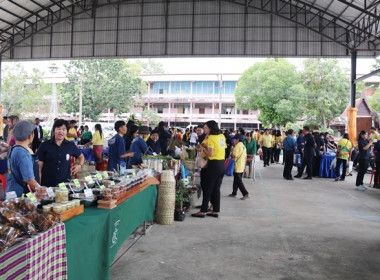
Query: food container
point(107, 191)
point(115, 189)
point(115, 195)
point(61, 196)
point(58, 208)
point(87, 201)
point(107, 183)
point(107, 197)
point(47, 208)
point(40, 192)
point(84, 181)
point(76, 202)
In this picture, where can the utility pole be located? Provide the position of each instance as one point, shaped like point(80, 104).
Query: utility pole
point(80, 100)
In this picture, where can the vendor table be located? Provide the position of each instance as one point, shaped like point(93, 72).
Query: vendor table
point(93, 238)
point(324, 168)
point(42, 256)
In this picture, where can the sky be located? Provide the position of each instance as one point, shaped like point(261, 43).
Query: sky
point(202, 65)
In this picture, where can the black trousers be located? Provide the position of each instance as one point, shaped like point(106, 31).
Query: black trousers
point(277, 154)
point(238, 184)
point(307, 161)
point(289, 157)
point(337, 168)
point(363, 165)
point(272, 155)
point(266, 155)
point(211, 181)
point(377, 174)
point(316, 165)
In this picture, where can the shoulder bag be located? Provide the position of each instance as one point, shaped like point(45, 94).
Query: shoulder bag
point(201, 162)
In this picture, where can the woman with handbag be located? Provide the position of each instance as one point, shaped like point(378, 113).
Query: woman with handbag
point(250, 145)
point(239, 154)
point(212, 175)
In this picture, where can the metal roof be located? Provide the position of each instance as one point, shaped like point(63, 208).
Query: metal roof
point(64, 29)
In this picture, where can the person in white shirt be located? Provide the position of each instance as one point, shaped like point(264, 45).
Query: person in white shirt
point(193, 138)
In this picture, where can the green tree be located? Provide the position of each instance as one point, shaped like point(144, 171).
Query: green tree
point(106, 84)
point(151, 116)
point(275, 88)
point(327, 89)
point(150, 67)
point(24, 93)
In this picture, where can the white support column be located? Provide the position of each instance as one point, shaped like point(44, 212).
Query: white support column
point(169, 115)
point(191, 111)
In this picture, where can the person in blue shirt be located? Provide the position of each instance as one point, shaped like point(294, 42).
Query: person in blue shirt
point(153, 143)
point(164, 137)
point(290, 147)
point(54, 156)
point(139, 147)
point(116, 147)
point(20, 162)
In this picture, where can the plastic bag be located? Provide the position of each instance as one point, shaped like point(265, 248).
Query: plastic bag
point(8, 235)
point(18, 221)
point(333, 164)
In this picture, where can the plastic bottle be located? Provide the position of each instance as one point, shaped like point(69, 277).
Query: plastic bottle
point(123, 168)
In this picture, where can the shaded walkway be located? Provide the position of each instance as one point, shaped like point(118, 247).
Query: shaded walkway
point(302, 229)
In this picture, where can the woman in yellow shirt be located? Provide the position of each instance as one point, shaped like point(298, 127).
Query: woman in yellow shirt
point(239, 154)
point(212, 175)
point(97, 142)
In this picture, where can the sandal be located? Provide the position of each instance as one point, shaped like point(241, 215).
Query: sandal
point(198, 215)
point(215, 215)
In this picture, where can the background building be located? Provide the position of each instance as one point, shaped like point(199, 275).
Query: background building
point(190, 99)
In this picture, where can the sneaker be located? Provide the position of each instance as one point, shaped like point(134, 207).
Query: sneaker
point(361, 188)
point(232, 195)
point(336, 179)
point(245, 197)
point(341, 179)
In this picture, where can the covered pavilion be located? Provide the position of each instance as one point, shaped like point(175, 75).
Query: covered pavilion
point(85, 29)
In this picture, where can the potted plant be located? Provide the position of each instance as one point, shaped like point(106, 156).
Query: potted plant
point(182, 195)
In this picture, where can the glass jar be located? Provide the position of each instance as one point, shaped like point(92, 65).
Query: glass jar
point(76, 202)
point(61, 196)
point(58, 208)
point(47, 208)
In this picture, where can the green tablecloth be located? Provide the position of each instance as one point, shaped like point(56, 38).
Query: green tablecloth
point(93, 238)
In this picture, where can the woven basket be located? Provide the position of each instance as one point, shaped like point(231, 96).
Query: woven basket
point(167, 176)
point(189, 164)
point(166, 201)
point(165, 219)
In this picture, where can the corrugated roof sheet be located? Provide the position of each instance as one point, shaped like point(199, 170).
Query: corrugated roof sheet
point(43, 29)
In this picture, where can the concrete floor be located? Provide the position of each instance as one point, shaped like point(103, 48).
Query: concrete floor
point(301, 229)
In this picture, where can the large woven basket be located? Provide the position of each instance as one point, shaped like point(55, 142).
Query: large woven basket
point(166, 202)
point(167, 176)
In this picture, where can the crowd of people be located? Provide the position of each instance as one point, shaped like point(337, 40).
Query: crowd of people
point(32, 161)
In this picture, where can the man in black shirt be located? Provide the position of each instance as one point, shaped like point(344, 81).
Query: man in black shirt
point(200, 134)
point(308, 154)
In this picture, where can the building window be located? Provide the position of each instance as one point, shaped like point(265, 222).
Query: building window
point(161, 87)
point(228, 87)
point(181, 88)
point(202, 88)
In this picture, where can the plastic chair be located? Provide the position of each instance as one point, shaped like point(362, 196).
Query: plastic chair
point(3, 182)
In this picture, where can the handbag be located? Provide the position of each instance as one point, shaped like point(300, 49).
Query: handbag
point(230, 168)
point(201, 162)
